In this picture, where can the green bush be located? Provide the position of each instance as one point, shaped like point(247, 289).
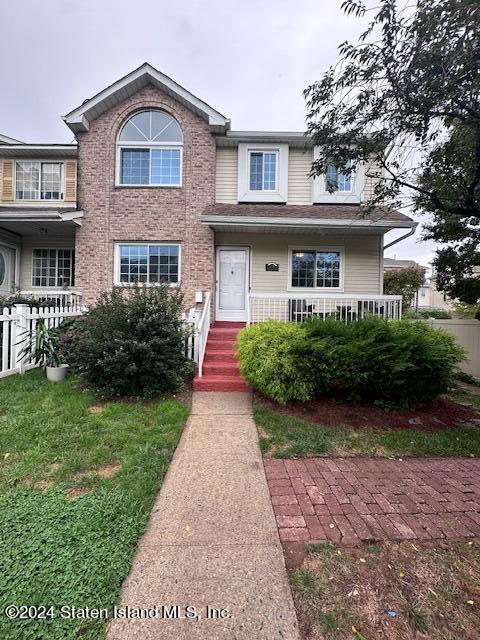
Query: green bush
point(404, 362)
point(131, 343)
point(272, 359)
point(438, 314)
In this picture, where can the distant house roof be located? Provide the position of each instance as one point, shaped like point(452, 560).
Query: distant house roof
point(390, 263)
point(79, 118)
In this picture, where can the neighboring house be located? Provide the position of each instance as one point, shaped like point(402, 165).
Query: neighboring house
point(159, 189)
point(428, 296)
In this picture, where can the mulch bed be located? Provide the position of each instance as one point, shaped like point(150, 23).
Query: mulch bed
point(442, 414)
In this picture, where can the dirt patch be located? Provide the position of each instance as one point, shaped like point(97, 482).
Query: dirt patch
point(95, 409)
point(108, 470)
point(74, 493)
point(389, 591)
point(331, 412)
point(54, 467)
point(43, 485)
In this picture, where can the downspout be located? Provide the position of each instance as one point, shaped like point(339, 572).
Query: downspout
point(407, 235)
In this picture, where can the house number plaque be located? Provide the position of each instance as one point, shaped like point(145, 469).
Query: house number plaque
point(271, 266)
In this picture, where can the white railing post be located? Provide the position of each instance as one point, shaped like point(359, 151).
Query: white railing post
point(19, 336)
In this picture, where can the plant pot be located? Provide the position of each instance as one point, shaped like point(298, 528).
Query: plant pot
point(56, 374)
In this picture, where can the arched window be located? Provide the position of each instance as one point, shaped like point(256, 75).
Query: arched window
point(149, 150)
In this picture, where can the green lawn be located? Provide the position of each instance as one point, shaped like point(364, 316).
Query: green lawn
point(77, 481)
point(284, 436)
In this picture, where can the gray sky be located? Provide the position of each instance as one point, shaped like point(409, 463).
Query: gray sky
point(250, 59)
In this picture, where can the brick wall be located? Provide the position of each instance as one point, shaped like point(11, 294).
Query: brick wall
point(144, 213)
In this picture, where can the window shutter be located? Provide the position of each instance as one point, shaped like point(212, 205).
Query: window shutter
point(7, 181)
point(70, 194)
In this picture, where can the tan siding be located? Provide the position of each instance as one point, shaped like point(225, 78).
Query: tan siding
point(299, 182)
point(7, 180)
point(373, 172)
point(29, 243)
point(362, 258)
point(226, 183)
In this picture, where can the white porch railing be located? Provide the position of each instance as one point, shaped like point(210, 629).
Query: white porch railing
point(296, 307)
point(60, 298)
point(17, 325)
point(202, 330)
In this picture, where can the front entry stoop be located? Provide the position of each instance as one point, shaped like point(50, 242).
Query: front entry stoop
point(220, 367)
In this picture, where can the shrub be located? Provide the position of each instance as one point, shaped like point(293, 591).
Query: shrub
point(438, 314)
point(397, 362)
point(272, 359)
point(130, 343)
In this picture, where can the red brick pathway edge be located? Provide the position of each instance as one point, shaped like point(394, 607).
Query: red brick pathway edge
point(348, 500)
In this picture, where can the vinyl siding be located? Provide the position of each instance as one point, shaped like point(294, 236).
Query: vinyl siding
point(31, 242)
point(226, 179)
point(371, 181)
point(362, 272)
point(299, 182)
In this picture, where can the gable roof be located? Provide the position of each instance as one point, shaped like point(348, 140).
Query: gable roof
point(79, 119)
point(7, 140)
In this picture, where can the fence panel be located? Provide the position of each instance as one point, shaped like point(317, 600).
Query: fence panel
point(467, 333)
point(18, 325)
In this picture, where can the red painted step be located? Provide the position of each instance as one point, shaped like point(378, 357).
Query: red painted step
point(220, 367)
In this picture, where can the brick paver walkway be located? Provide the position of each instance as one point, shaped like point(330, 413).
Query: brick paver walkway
point(348, 500)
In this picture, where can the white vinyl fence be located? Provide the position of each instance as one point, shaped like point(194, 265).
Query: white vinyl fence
point(17, 325)
point(467, 333)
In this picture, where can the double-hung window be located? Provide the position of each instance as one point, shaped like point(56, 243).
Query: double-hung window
point(53, 268)
point(150, 151)
point(263, 170)
point(316, 269)
point(148, 263)
point(38, 180)
point(337, 181)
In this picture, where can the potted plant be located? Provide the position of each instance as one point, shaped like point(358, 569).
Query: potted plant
point(43, 348)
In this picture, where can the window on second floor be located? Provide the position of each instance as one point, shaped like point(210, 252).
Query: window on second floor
point(338, 181)
point(52, 268)
point(38, 180)
point(263, 170)
point(150, 151)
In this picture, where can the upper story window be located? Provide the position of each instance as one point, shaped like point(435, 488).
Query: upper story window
point(336, 187)
point(338, 181)
point(150, 151)
point(38, 180)
point(262, 172)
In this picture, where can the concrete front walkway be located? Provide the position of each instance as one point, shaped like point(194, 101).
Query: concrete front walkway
point(212, 538)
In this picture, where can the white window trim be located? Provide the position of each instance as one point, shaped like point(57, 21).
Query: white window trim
point(56, 286)
point(280, 194)
point(40, 161)
point(116, 263)
point(274, 152)
point(354, 196)
point(340, 250)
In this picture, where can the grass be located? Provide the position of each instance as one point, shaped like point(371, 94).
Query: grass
point(389, 591)
point(77, 482)
point(284, 436)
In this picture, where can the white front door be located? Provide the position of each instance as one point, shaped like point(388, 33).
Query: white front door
point(232, 283)
point(7, 270)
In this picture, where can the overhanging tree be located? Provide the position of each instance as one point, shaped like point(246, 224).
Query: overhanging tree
point(406, 100)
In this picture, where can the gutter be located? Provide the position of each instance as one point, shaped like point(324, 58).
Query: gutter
point(404, 237)
point(305, 222)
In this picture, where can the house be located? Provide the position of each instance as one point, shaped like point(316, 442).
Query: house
point(157, 187)
point(428, 296)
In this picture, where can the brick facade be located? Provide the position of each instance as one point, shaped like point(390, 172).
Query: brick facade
point(151, 214)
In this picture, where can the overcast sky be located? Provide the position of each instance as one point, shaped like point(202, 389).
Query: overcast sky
point(249, 59)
